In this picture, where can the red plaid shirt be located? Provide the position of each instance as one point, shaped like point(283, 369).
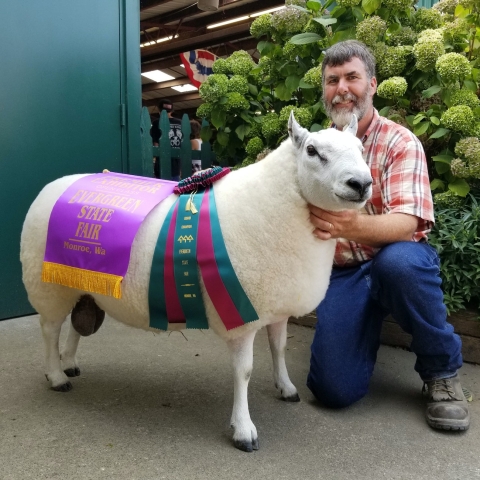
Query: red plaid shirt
point(400, 184)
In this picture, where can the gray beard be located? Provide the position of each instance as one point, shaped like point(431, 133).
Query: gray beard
point(342, 118)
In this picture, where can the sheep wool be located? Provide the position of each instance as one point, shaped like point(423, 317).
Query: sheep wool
point(282, 266)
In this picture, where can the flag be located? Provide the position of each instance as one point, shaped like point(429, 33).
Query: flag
point(198, 64)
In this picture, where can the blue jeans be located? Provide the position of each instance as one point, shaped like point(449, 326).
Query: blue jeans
point(403, 279)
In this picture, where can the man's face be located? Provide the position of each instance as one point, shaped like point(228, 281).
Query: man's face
point(346, 91)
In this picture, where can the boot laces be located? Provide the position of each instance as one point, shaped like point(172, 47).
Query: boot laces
point(440, 389)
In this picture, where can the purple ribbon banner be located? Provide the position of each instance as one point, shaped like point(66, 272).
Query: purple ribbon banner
point(92, 227)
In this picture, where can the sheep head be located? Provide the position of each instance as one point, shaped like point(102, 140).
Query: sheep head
point(331, 171)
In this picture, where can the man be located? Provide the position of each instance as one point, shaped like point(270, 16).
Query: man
point(383, 263)
point(175, 135)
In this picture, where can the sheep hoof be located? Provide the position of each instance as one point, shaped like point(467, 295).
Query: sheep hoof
point(72, 372)
point(245, 445)
point(291, 398)
point(64, 387)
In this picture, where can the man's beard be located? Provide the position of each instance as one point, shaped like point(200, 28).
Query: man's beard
point(343, 116)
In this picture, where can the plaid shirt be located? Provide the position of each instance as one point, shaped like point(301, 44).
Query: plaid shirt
point(400, 184)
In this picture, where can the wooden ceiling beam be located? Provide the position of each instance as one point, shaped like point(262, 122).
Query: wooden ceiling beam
point(177, 46)
point(183, 97)
point(160, 64)
point(240, 11)
point(146, 4)
point(173, 16)
point(151, 87)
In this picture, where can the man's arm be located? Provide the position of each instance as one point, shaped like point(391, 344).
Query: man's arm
point(372, 230)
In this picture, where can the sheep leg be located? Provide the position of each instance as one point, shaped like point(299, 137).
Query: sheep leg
point(53, 367)
point(245, 434)
point(277, 337)
point(69, 362)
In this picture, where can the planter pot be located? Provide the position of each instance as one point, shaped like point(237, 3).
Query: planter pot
point(465, 323)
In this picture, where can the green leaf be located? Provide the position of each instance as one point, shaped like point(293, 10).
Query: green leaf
point(357, 13)
point(304, 84)
point(371, 5)
point(429, 92)
point(459, 186)
point(422, 76)
point(461, 11)
point(222, 138)
point(439, 133)
point(435, 120)
point(305, 38)
point(421, 128)
point(393, 27)
point(314, 5)
point(442, 168)
point(342, 35)
point(437, 183)
point(337, 11)
point(410, 119)
point(384, 111)
point(218, 117)
point(443, 159)
point(325, 21)
point(253, 90)
point(470, 85)
point(292, 82)
point(316, 127)
point(418, 118)
point(246, 116)
point(206, 133)
point(282, 92)
point(265, 47)
point(242, 130)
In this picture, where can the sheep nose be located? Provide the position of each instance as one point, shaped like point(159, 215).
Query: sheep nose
point(360, 187)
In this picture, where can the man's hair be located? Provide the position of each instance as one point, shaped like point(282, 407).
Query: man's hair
point(343, 52)
point(165, 104)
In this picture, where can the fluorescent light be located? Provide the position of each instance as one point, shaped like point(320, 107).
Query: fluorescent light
point(160, 40)
point(164, 39)
point(185, 88)
point(157, 76)
point(238, 19)
point(270, 10)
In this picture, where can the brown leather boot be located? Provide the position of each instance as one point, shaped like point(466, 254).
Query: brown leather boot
point(447, 407)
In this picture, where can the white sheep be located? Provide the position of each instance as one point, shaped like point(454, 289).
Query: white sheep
point(263, 211)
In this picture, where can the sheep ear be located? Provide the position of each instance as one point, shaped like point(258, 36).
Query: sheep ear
point(352, 127)
point(296, 132)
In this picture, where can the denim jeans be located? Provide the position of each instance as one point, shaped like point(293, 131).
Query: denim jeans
point(403, 280)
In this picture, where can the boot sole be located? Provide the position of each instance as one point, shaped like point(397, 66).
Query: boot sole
point(452, 426)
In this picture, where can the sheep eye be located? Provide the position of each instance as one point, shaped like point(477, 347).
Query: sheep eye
point(311, 151)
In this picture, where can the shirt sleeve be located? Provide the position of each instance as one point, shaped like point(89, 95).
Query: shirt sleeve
point(405, 185)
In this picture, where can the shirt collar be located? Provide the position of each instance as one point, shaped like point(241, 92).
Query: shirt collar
point(374, 121)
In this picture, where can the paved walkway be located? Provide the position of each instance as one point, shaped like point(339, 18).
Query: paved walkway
point(152, 407)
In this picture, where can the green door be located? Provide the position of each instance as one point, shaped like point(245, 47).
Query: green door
point(64, 107)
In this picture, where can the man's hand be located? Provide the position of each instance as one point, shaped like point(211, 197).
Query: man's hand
point(329, 224)
point(373, 230)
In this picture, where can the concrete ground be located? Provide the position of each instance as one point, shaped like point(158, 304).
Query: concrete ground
point(157, 406)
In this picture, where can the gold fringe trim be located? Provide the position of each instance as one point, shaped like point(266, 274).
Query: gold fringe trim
point(88, 280)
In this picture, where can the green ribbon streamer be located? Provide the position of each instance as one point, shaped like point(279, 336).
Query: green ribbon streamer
point(185, 262)
point(225, 267)
point(156, 290)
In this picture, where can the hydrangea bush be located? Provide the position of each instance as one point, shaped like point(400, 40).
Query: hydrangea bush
point(428, 72)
